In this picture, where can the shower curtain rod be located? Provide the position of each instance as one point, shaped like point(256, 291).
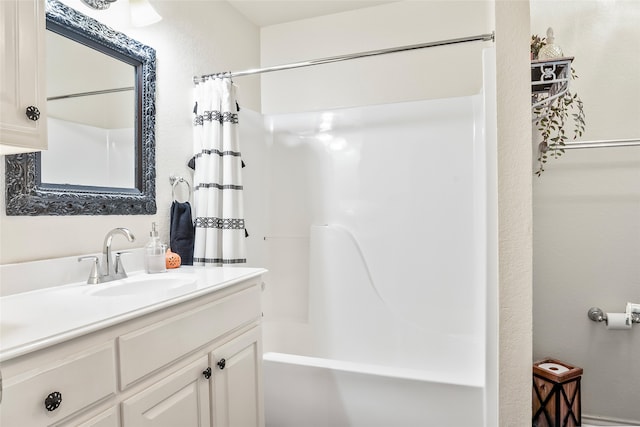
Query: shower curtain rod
point(93, 92)
point(597, 144)
point(482, 37)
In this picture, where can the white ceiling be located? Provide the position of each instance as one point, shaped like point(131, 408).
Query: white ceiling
point(270, 12)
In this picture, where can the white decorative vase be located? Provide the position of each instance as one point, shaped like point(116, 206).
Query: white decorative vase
point(550, 50)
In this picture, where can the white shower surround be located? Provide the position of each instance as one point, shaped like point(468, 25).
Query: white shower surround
point(395, 186)
point(390, 204)
point(88, 155)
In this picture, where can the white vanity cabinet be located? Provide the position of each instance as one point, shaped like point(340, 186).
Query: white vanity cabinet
point(222, 389)
point(107, 418)
point(237, 381)
point(55, 389)
point(22, 77)
point(196, 363)
point(180, 399)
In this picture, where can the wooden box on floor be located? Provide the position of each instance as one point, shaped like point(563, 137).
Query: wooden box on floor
point(556, 395)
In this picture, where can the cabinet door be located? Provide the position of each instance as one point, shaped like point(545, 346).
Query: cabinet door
point(181, 399)
point(237, 382)
point(22, 76)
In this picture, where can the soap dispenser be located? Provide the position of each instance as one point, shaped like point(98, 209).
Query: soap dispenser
point(154, 253)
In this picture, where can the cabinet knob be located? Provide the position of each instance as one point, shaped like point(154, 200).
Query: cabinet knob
point(53, 401)
point(221, 363)
point(33, 113)
point(207, 373)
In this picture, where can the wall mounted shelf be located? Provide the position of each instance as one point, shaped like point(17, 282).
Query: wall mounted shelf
point(549, 80)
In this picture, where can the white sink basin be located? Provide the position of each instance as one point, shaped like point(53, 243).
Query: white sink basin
point(161, 283)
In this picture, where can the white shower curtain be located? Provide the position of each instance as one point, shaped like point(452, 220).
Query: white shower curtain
point(219, 217)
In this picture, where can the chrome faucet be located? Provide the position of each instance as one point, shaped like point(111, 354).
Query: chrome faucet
point(111, 269)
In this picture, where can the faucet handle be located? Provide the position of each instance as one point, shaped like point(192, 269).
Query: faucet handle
point(93, 275)
point(119, 267)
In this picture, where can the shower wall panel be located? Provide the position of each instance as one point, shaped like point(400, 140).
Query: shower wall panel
point(401, 182)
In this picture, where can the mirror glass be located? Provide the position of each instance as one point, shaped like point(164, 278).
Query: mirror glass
point(101, 125)
point(90, 117)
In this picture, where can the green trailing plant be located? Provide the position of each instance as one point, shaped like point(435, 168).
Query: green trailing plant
point(536, 44)
point(551, 119)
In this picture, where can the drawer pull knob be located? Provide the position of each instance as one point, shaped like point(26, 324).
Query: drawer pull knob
point(222, 363)
point(53, 401)
point(33, 113)
point(207, 373)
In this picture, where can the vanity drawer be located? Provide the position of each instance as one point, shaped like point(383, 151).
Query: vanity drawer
point(78, 381)
point(144, 351)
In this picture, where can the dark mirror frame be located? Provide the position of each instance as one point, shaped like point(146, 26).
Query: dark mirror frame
point(27, 195)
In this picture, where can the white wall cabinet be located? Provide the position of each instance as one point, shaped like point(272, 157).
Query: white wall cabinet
point(22, 77)
point(198, 363)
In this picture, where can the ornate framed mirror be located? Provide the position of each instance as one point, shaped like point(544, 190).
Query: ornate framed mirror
point(101, 117)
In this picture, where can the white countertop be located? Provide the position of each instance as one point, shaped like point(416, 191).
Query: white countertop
point(37, 319)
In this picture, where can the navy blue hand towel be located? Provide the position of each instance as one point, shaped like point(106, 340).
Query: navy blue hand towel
point(182, 233)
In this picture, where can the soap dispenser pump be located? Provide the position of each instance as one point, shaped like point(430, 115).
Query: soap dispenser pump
point(154, 253)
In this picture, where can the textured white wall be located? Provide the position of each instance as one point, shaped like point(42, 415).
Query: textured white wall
point(514, 211)
point(423, 74)
point(195, 37)
point(587, 208)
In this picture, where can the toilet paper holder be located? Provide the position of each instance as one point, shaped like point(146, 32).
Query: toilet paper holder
point(632, 313)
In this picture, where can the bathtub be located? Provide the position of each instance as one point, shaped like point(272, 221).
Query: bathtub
point(305, 391)
point(358, 361)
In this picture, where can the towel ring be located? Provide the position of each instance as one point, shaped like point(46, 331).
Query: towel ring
point(174, 183)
